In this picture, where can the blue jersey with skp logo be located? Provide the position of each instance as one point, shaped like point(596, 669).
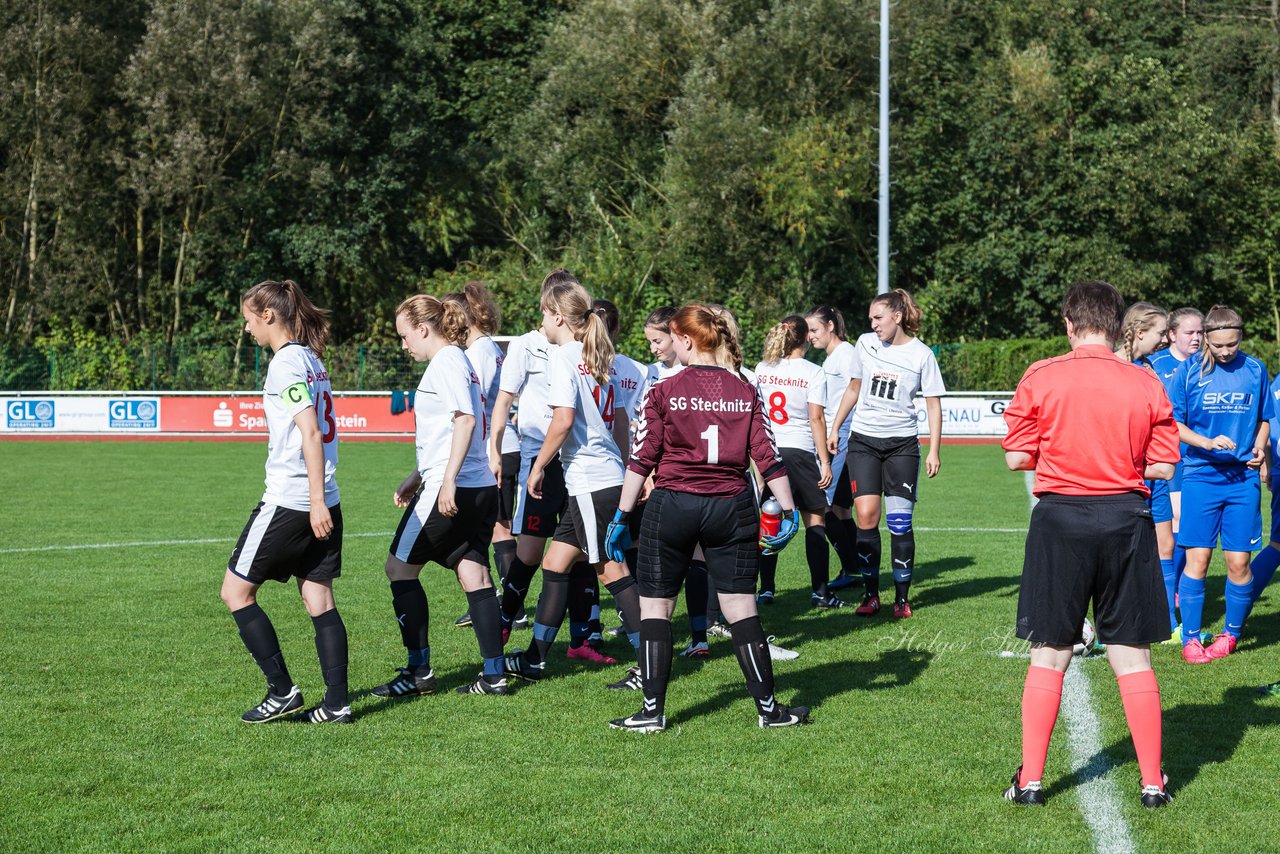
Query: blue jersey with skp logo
point(1228, 401)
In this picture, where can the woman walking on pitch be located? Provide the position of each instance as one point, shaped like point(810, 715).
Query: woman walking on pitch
point(1222, 404)
point(827, 333)
point(884, 440)
point(794, 391)
point(584, 432)
point(700, 431)
point(296, 529)
point(450, 499)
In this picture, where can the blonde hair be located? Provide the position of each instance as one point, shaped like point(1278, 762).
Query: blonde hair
point(478, 304)
point(900, 301)
point(299, 315)
point(571, 301)
point(1140, 317)
point(447, 317)
point(785, 337)
point(728, 352)
point(1219, 319)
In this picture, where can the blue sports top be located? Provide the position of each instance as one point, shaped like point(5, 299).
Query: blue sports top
point(1229, 401)
point(1165, 364)
point(1275, 420)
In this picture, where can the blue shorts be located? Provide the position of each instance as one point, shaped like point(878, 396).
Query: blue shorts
point(1221, 502)
point(1175, 485)
point(1275, 516)
point(1159, 502)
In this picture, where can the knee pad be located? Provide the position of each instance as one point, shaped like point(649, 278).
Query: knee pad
point(898, 514)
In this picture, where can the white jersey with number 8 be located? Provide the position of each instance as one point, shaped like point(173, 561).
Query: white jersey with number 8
point(788, 387)
point(296, 380)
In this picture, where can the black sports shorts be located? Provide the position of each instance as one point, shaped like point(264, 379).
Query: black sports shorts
point(676, 523)
point(586, 521)
point(277, 544)
point(884, 466)
point(1099, 548)
point(802, 471)
point(538, 517)
point(425, 534)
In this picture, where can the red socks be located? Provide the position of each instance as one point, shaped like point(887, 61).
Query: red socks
point(1141, 697)
point(1041, 696)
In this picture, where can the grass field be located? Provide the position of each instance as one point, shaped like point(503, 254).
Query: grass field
point(124, 680)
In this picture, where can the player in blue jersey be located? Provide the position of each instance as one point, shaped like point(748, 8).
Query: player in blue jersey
point(1184, 337)
point(1144, 330)
point(1222, 403)
point(296, 529)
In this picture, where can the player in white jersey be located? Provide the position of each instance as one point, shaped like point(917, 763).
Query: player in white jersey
point(450, 499)
point(484, 354)
point(884, 442)
point(827, 333)
point(524, 373)
point(586, 435)
point(794, 391)
point(296, 529)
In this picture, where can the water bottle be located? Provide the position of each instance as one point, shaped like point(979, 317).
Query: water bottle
point(770, 518)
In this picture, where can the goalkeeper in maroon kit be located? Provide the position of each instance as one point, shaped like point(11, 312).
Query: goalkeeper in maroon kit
point(698, 432)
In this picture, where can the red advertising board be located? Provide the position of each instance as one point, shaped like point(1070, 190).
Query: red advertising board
point(230, 415)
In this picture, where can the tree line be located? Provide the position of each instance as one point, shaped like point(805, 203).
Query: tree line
point(159, 156)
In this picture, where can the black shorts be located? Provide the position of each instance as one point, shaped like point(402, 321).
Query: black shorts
point(676, 523)
point(507, 486)
point(802, 471)
point(844, 490)
point(538, 517)
point(884, 466)
point(425, 534)
point(1092, 548)
point(277, 544)
point(586, 520)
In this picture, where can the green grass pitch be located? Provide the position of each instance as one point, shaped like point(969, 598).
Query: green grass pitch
point(124, 680)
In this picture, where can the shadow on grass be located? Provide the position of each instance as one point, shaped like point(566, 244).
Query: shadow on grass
point(1195, 735)
point(815, 685)
point(446, 681)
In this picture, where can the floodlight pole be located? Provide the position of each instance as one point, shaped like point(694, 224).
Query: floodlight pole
point(882, 265)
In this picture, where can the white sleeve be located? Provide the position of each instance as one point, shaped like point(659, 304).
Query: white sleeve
point(818, 387)
point(855, 362)
point(931, 376)
point(515, 368)
point(456, 378)
point(560, 376)
point(287, 380)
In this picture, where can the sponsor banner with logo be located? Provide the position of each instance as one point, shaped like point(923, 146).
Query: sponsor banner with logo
point(964, 415)
point(212, 414)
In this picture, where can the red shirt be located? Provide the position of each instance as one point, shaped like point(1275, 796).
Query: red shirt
point(700, 429)
point(1091, 422)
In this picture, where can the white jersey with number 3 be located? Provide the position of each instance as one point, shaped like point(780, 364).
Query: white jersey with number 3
point(449, 385)
point(590, 456)
point(296, 380)
point(788, 387)
point(891, 375)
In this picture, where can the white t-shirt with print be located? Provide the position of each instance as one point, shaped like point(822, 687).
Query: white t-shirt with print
point(590, 456)
point(524, 372)
point(296, 380)
point(840, 367)
point(891, 376)
point(449, 386)
point(788, 387)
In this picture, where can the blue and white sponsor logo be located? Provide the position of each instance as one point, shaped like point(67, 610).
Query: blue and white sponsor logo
point(30, 414)
point(133, 413)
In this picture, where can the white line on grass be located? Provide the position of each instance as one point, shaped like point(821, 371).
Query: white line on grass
point(138, 543)
point(1099, 800)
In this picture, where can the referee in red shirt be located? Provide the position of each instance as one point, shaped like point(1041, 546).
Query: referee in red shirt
point(1092, 427)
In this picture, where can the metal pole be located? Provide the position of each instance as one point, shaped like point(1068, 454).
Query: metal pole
point(882, 265)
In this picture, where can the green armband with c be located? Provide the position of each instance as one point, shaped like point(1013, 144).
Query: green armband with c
point(297, 393)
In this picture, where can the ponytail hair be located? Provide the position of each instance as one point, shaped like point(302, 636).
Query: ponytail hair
point(784, 338)
point(660, 318)
point(1140, 317)
point(713, 330)
point(832, 315)
point(608, 312)
point(1219, 319)
point(482, 312)
point(447, 318)
point(571, 301)
point(299, 315)
point(900, 301)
